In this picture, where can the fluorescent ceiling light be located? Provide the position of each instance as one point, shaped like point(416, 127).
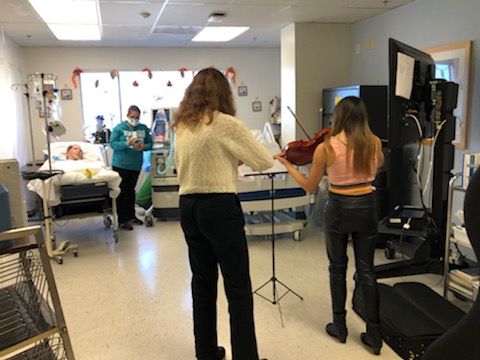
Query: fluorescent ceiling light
point(76, 32)
point(70, 19)
point(219, 33)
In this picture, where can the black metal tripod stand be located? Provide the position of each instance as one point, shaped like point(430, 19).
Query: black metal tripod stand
point(276, 298)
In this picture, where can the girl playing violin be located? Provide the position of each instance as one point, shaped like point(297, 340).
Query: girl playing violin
point(351, 155)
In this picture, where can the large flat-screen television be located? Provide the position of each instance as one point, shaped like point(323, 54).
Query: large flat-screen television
point(410, 74)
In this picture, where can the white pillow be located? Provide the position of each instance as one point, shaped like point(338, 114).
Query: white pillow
point(91, 152)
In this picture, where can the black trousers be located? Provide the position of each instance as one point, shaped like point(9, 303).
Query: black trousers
point(213, 225)
point(126, 199)
point(353, 216)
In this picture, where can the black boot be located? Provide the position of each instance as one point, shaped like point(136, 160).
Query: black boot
point(219, 355)
point(372, 337)
point(338, 329)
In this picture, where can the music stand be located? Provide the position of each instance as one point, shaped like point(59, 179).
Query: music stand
point(275, 299)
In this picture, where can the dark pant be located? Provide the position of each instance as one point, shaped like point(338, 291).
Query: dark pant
point(126, 199)
point(213, 225)
point(353, 216)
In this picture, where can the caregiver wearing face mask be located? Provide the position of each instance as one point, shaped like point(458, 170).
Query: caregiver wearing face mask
point(128, 140)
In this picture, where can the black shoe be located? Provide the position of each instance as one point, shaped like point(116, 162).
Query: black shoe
point(125, 226)
point(338, 329)
point(373, 337)
point(220, 354)
point(136, 221)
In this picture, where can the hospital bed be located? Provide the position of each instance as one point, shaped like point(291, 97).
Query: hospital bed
point(259, 201)
point(270, 195)
point(77, 189)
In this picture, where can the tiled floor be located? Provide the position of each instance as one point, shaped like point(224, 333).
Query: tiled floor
point(131, 299)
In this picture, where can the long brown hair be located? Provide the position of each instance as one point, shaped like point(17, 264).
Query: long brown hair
point(208, 92)
point(350, 115)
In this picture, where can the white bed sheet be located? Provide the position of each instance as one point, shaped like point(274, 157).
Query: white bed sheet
point(75, 172)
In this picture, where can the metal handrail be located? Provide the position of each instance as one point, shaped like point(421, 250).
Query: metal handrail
point(448, 233)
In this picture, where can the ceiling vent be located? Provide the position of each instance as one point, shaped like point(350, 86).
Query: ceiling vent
point(216, 18)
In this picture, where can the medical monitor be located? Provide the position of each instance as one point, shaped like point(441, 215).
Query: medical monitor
point(410, 73)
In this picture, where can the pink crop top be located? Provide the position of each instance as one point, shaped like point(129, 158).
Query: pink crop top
point(341, 176)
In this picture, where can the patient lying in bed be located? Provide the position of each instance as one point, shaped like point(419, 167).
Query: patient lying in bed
point(74, 152)
point(81, 164)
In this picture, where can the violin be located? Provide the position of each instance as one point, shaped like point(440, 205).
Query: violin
point(300, 152)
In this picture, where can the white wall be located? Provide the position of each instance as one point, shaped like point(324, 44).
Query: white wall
point(15, 142)
point(314, 57)
point(258, 69)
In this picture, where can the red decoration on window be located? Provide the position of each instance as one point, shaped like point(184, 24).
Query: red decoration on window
point(76, 73)
point(182, 71)
point(230, 75)
point(150, 75)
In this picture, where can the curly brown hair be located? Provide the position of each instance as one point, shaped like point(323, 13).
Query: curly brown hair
point(208, 92)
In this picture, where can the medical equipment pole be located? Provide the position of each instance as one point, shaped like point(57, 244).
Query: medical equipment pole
point(54, 252)
point(27, 95)
point(45, 114)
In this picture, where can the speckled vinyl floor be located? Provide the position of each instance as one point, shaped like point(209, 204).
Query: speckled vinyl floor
point(131, 300)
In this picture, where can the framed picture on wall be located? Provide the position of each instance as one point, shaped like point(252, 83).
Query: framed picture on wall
point(66, 94)
point(257, 106)
point(242, 91)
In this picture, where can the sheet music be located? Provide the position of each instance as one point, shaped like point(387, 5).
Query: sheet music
point(273, 149)
point(244, 170)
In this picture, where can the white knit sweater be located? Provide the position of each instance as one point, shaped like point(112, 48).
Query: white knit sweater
point(207, 156)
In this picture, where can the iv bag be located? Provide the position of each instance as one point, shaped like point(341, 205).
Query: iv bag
point(160, 127)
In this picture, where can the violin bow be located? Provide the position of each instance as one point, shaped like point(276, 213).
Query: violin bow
point(298, 122)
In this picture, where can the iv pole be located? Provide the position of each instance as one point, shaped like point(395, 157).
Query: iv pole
point(46, 115)
point(65, 246)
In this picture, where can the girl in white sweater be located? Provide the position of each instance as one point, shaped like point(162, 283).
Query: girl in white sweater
point(210, 143)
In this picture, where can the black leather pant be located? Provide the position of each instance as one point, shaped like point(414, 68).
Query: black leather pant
point(353, 216)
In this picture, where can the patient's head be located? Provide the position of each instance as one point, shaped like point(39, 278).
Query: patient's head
point(74, 152)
